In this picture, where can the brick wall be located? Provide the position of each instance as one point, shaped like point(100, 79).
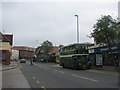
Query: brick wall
point(5, 57)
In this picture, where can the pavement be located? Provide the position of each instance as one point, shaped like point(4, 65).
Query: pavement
point(108, 68)
point(12, 77)
point(13, 65)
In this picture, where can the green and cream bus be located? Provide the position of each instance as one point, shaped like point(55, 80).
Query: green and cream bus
point(75, 56)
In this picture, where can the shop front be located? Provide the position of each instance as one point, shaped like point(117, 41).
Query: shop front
point(104, 55)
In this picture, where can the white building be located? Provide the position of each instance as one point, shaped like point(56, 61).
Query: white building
point(14, 55)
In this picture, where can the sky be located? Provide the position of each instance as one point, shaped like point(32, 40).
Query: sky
point(33, 21)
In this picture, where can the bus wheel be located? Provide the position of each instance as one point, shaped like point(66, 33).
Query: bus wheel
point(63, 66)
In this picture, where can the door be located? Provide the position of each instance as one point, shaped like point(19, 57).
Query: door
point(99, 60)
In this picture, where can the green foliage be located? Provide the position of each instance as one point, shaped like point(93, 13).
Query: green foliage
point(118, 34)
point(46, 46)
point(61, 45)
point(105, 30)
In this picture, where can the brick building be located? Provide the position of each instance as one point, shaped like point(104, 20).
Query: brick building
point(6, 41)
point(24, 52)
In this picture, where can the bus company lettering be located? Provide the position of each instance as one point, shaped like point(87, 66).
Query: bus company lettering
point(106, 49)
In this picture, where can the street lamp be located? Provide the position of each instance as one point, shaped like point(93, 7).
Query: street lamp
point(77, 29)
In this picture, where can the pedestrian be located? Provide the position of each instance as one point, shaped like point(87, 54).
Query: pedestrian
point(31, 62)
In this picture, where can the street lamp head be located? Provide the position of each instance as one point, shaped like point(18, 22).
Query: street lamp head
point(76, 15)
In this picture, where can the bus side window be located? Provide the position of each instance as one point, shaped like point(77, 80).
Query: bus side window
point(87, 57)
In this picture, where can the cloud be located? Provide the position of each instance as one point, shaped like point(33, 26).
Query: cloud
point(60, 1)
point(31, 21)
point(0, 17)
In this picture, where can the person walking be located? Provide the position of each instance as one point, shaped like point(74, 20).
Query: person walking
point(31, 61)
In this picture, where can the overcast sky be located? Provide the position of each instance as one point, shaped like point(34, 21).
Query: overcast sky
point(31, 23)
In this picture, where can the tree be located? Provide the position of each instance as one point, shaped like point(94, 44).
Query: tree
point(61, 45)
point(46, 47)
point(118, 33)
point(105, 32)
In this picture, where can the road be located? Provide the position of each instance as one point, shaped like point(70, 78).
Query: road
point(50, 75)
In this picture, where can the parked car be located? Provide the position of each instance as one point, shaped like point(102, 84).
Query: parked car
point(44, 60)
point(22, 60)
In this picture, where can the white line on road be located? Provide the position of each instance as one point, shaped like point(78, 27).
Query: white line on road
point(59, 71)
point(37, 82)
point(57, 65)
point(85, 78)
point(43, 87)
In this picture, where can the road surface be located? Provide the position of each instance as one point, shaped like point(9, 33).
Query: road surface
point(50, 75)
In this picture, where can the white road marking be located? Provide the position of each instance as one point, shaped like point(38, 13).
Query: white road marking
point(85, 78)
point(59, 71)
point(38, 82)
point(57, 65)
point(43, 87)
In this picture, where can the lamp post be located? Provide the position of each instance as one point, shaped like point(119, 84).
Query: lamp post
point(77, 29)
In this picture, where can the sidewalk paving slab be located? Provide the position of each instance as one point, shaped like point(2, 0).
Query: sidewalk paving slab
point(12, 65)
point(12, 77)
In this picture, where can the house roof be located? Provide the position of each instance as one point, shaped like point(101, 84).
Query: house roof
point(9, 37)
point(37, 50)
point(23, 48)
point(6, 38)
point(55, 49)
